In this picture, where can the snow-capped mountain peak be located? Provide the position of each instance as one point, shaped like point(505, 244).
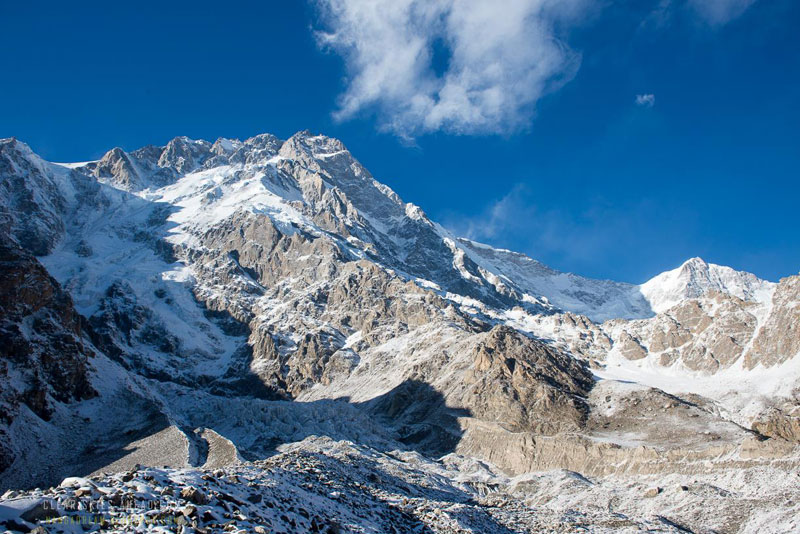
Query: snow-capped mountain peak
point(695, 277)
point(314, 182)
point(206, 281)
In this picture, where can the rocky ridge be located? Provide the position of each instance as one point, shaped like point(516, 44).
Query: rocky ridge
point(278, 281)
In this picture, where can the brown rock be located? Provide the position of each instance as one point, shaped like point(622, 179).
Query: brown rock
point(192, 494)
point(779, 338)
point(652, 492)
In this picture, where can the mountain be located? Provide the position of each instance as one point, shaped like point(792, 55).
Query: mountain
point(696, 278)
point(205, 305)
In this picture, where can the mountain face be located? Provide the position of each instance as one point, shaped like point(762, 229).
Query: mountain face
point(43, 357)
point(202, 304)
point(696, 278)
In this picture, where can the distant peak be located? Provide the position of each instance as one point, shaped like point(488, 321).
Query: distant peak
point(260, 138)
point(695, 277)
point(693, 265)
point(315, 145)
point(16, 144)
point(182, 140)
point(114, 153)
point(224, 145)
point(697, 260)
point(309, 136)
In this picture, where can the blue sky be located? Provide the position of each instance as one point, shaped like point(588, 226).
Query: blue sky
point(554, 158)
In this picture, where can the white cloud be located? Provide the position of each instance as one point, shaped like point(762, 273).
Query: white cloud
point(646, 100)
point(719, 12)
point(503, 57)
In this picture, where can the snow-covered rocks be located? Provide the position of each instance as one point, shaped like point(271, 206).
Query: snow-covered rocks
point(695, 278)
point(320, 485)
point(242, 296)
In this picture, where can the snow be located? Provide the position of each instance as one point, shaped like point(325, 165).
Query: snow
point(229, 145)
point(741, 392)
point(206, 197)
point(458, 261)
point(359, 488)
point(696, 277)
point(598, 299)
point(75, 165)
point(76, 482)
point(13, 508)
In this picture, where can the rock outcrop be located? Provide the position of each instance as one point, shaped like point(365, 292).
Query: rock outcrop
point(778, 338)
point(32, 203)
point(43, 355)
point(278, 283)
point(526, 385)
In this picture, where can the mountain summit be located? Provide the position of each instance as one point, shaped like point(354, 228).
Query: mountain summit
point(695, 278)
point(212, 303)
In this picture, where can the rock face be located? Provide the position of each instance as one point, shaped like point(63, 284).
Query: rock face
point(707, 334)
point(717, 331)
point(527, 385)
point(43, 356)
point(116, 165)
point(264, 291)
point(150, 166)
point(778, 339)
point(32, 206)
point(781, 421)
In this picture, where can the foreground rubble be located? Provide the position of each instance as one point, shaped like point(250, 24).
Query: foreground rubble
point(320, 485)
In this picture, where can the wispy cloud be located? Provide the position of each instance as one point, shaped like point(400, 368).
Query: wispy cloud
point(719, 12)
point(714, 13)
point(646, 100)
point(466, 66)
point(501, 59)
point(587, 241)
point(518, 221)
